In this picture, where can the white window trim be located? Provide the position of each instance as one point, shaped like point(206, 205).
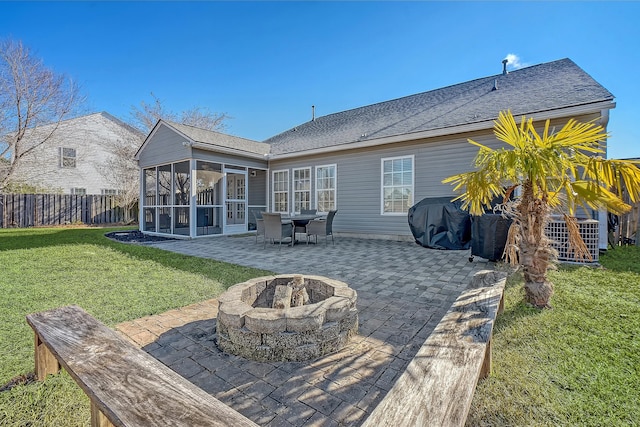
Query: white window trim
point(335, 188)
point(293, 186)
point(80, 191)
point(62, 157)
point(273, 191)
point(413, 182)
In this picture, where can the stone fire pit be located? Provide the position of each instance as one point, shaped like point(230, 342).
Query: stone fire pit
point(315, 316)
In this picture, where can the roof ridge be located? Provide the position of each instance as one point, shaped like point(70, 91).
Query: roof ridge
point(439, 89)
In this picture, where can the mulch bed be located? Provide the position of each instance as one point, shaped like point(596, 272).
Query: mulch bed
point(135, 236)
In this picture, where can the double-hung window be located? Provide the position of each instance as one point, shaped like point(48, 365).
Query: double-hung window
point(67, 157)
point(397, 185)
point(326, 188)
point(301, 189)
point(281, 191)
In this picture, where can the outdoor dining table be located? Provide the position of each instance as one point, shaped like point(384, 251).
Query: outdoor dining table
point(300, 220)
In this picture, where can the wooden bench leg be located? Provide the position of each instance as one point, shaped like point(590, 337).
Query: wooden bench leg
point(46, 362)
point(485, 371)
point(98, 419)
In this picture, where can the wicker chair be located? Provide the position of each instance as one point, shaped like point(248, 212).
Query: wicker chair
point(259, 225)
point(321, 227)
point(275, 229)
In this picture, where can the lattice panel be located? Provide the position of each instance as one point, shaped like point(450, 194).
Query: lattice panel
point(589, 230)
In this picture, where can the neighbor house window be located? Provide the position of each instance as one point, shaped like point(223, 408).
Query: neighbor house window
point(109, 192)
point(79, 191)
point(397, 185)
point(326, 188)
point(301, 189)
point(281, 191)
point(68, 157)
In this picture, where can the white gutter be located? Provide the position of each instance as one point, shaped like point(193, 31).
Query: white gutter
point(432, 133)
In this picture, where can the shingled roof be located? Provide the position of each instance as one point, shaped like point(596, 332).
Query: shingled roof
point(217, 139)
point(540, 88)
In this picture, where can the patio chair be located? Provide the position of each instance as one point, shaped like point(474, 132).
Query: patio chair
point(275, 229)
point(259, 225)
point(321, 227)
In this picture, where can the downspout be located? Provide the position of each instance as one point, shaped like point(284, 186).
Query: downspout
point(604, 121)
point(603, 231)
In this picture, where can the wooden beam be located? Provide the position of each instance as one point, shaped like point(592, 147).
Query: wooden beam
point(438, 385)
point(126, 386)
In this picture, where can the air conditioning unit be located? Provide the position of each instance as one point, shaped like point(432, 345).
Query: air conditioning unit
point(589, 231)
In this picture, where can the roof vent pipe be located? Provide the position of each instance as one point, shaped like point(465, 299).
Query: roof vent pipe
point(313, 113)
point(504, 66)
point(495, 85)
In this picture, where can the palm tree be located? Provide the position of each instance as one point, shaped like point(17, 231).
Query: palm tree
point(557, 172)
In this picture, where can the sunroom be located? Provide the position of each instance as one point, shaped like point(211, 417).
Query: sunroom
point(196, 182)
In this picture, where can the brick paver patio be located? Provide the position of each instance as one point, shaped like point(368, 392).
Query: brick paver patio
point(403, 292)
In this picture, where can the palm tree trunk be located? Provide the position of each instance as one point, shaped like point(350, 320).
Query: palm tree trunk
point(535, 251)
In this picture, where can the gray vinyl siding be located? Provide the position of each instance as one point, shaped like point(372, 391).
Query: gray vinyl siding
point(229, 159)
point(164, 147)
point(359, 176)
point(257, 194)
point(359, 179)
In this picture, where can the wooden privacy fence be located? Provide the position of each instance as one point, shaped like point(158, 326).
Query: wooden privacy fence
point(32, 210)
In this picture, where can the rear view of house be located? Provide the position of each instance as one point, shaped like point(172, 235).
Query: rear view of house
point(370, 163)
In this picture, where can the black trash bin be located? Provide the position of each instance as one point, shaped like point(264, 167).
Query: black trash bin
point(489, 236)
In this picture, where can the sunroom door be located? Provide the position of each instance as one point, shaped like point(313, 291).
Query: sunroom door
point(236, 201)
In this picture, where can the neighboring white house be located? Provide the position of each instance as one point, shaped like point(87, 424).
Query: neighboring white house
point(74, 160)
point(370, 163)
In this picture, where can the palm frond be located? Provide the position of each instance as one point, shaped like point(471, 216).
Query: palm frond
point(580, 136)
point(507, 130)
point(614, 173)
point(591, 195)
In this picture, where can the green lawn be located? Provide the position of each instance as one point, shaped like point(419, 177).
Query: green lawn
point(51, 267)
point(577, 364)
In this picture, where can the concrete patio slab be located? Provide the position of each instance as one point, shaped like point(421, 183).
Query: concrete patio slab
point(403, 292)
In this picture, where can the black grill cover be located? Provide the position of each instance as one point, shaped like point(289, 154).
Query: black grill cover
point(439, 223)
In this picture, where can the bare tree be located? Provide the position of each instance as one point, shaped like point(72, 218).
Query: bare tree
point(145, 116)
point(120, 169)
point(33, 101)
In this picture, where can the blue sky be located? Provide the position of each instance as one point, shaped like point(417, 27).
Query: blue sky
point(266, 63)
